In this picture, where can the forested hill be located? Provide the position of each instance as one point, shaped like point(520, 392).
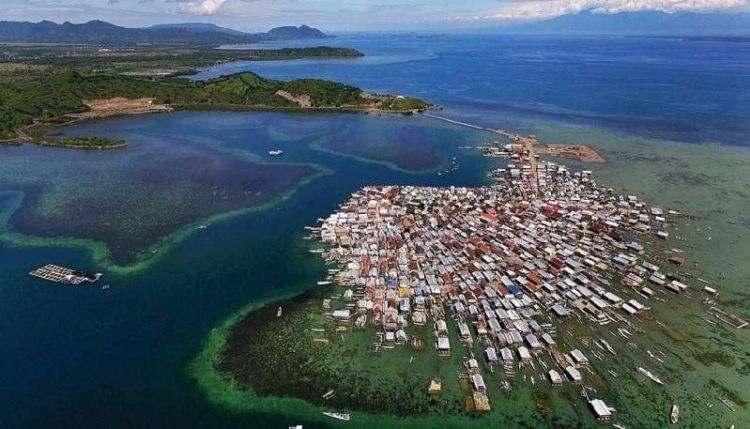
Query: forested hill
point(100, 32)
point(50, 96)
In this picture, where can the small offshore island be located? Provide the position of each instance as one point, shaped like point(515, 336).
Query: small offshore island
point(464, 301)
point(85, 142)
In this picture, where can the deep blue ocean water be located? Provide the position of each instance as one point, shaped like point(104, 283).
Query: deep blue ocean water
point(88, 358)
point(672, 89)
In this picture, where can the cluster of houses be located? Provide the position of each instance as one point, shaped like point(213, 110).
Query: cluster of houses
point(500, 263)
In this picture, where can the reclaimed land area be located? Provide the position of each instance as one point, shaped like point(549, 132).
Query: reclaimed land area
point(519, 144)
point(540, 295)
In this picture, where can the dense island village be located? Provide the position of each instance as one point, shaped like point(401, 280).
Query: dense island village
point(499, 265)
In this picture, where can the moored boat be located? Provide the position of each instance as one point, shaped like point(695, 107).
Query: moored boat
point(650, 376)
point(674, 415)
point(338, 416)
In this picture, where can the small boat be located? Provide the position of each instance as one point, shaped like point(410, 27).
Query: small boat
point(105, 287)
point(203, 227)
point(727, 403)
point(677, 260)
point(653, 356)
point(651, 376)
point(279, 311)
point(295, 427)
point(506, 386)
point(674, 415)
point(276, 152)
point(338, 416)
point(607, 346)
point(316, 251)
point(324, 282)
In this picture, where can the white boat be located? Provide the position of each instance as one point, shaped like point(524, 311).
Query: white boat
point(338, 416)
point(317, 251)
point(674, 415)
point(275, 152)
point(279, 311)
point(651, 376)
point(324, 282)
point(653, 356)
point(506, 386)
point(727, 403)
point(295, 427)
point(607, 346)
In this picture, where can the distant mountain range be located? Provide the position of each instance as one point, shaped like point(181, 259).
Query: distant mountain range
point(100, 32)
point(640, 23)
point(196, 27)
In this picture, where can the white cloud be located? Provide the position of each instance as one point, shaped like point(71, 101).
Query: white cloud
point(203, 7)
point(544, 9)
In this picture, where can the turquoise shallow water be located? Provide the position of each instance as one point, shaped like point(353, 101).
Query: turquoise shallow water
point(128, 347)
point(86, 357)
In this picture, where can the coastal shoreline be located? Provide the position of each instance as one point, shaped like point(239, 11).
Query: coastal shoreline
point(34, 133)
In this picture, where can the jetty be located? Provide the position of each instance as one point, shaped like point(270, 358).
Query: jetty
point(574, 151)
point(58, 274)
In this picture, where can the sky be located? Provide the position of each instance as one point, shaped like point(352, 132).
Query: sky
point(341, 15)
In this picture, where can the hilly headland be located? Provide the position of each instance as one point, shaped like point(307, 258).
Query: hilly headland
point(48, 85)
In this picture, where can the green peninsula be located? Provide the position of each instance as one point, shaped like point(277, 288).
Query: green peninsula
point(158, 60)
point(72, 86)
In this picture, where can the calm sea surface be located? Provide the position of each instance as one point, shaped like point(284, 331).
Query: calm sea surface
point(672, 117)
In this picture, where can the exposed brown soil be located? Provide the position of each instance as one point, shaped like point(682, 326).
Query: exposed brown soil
point(301, 100)
point(120, 106)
